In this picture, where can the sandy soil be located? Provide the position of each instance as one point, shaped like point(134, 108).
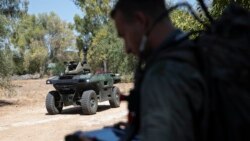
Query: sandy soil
point(23, 117)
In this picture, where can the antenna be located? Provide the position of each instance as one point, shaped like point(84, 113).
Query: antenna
point(85, 50)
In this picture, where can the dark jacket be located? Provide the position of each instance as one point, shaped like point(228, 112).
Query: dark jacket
point(171, 96)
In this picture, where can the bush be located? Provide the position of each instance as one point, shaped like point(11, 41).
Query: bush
point(58, 69)
point(6, 67)
point(35, 58)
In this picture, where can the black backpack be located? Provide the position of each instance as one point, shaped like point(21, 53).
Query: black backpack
point(223, 52)
point(223, 56)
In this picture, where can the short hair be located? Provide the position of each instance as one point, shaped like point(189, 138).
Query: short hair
point(152, 8)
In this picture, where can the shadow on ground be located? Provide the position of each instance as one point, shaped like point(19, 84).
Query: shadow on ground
point(78, 110)
point(5, 103)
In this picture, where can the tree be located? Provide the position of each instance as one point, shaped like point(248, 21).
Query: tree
point(96, 14)
point(13, 8)
point(6, 67)
point(59, 36)
point(98, 33)
point(3, 30)
point(107, 47)
point(10, 10)
point(102, 40)
point(40, 40)
point(27, 30)
point(35, 58)
point(185, 21)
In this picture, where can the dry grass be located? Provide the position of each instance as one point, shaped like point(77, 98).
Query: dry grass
point(30, 92)
point(27, 91)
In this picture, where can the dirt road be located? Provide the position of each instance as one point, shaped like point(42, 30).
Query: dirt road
point(24, 117)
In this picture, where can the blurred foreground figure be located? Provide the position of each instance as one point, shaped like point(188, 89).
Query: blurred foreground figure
point(185, 90)
point(168, 88)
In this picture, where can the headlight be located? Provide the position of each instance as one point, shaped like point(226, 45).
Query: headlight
point(48, 82)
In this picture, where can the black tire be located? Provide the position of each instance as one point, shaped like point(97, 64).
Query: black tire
point(53, 102)
point(115, 98)
point(89, 102)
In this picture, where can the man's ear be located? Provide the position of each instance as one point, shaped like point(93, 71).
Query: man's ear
point(142, 20)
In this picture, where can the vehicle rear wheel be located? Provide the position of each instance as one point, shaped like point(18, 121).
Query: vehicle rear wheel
point(115, 98)
point(53, 103)
point(89, 102)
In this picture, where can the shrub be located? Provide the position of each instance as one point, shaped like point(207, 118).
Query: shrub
point(6, 67)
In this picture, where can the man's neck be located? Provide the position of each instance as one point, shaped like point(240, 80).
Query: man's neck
point(159, 34)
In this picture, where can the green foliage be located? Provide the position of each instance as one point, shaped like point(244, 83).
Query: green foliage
point(3, 28)
point(104, 44)
point(40, 40)
point(98, 33)
point(28, 39)
point(219, 5)
point(35, 58)
point(107, 47)
point(96, 15)
point(6, 67)
point(43, 39)
point(18, 60)
point(37, 40)
point(26, 31)
point(185, 21)
point(9, 10)
point(13, 8)
point(58, 69)
point(59, 36)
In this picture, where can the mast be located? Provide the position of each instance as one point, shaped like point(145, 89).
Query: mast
point(85, 50)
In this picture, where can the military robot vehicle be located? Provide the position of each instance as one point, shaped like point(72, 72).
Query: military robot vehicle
point(79, 86)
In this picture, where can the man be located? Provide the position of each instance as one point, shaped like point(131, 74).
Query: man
point(170, 88)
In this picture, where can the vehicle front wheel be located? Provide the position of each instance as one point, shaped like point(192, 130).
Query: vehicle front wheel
point(115, 98)
point(89, 102)
point(53, 103)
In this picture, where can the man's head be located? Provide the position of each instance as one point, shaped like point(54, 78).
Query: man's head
point(133, 18)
